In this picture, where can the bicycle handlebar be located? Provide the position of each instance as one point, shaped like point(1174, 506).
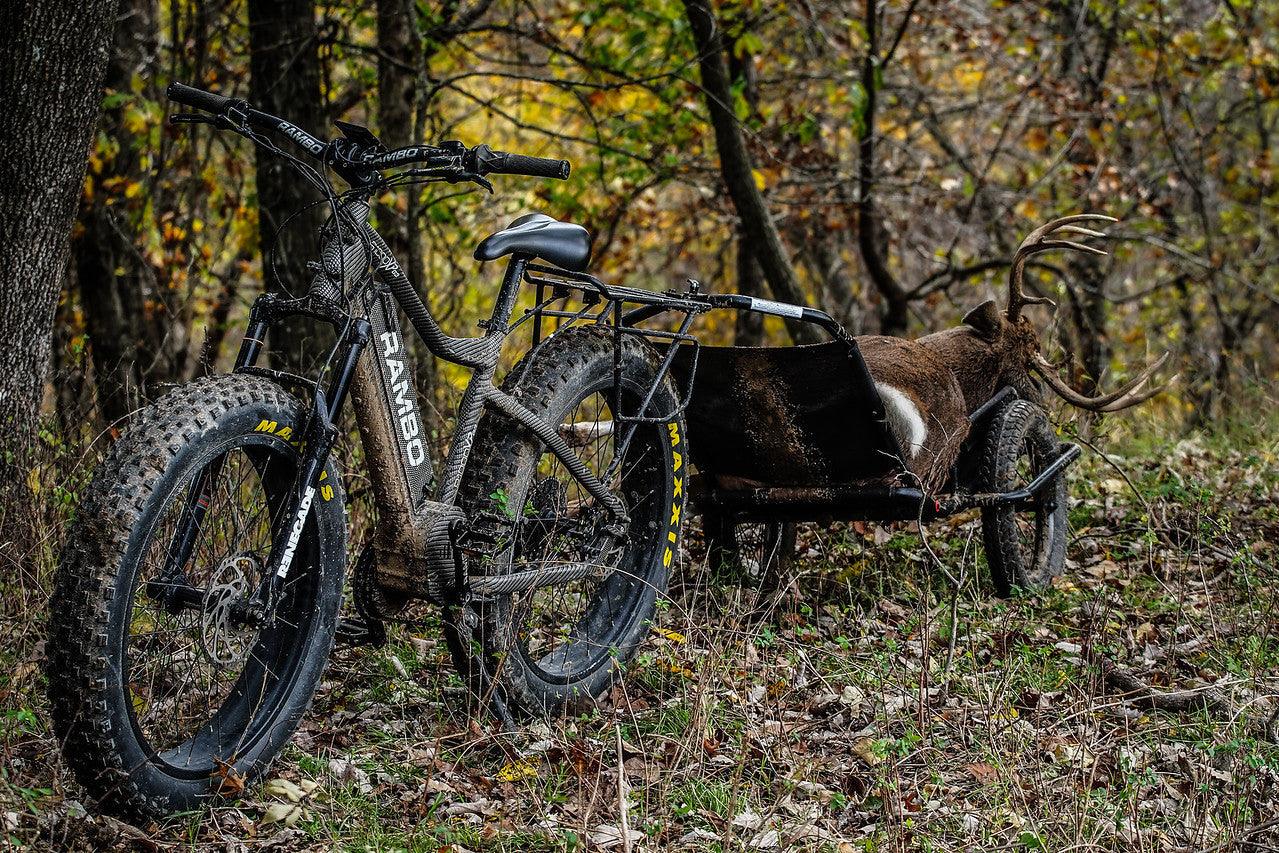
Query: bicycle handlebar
point(490, 162)
point(199, 99)
point(478, 161)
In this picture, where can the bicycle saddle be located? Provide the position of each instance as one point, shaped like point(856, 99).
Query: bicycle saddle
point(538, 235)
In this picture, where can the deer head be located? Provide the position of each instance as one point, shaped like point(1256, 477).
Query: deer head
point(991, 349)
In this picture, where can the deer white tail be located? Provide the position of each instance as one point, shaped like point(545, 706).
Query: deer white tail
point(904, 419)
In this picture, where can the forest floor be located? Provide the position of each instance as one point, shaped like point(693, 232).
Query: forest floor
point(867, 707)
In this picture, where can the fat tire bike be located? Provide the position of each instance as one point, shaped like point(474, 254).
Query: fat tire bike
point(201, 589)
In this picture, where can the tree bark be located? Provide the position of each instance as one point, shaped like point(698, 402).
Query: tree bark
point(399, 55)
point(870, 231)
point(1087, 69)
point(284, 67)
point(748, 329)
point(109, 267)
point(52, 57)
point(737, 170)
point(400, 59)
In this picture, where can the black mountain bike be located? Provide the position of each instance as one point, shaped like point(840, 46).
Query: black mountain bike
point(198, 595)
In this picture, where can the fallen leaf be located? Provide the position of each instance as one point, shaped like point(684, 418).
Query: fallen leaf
point(766, 840)
point(283, 789)
point(607, 835)
point(514, 771)
point(285, 813)
point(348, 774)
point(230, 782)
point(983, 772)
point(864, 748)
point(673, 636)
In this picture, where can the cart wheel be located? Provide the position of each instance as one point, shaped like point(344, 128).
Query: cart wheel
point(757, 554)
point(1025, 548)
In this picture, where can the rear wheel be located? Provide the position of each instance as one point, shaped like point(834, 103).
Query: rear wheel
point(558, 646)
point(1025, 548)
point(167, 684)
point(756, 554)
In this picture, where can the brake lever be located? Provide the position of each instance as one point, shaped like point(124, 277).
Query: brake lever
point(221, 122)
point(473, 177)
point(191, 118)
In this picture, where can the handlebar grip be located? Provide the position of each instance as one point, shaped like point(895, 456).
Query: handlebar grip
point(199, 99)
point(533, 167)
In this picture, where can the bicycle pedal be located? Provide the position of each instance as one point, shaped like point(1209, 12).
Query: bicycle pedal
point(353, 633)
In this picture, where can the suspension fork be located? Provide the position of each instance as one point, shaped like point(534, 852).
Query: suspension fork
point(319, 437)
point(172, 588)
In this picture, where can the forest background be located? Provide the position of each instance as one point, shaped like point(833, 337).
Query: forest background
point(878, 160)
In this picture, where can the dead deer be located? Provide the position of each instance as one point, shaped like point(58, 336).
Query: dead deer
point(928, 410)
point(991, 350)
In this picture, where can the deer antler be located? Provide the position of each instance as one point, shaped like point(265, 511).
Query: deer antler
point(1130, 394)
point(1036, 241)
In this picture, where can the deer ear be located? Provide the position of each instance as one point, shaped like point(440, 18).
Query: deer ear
point(985, 320)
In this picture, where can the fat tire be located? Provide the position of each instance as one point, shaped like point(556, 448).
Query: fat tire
point(548, 379)
point(132, 488)
point(1017, 430)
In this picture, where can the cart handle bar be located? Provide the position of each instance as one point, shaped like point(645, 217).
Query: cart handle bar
point(1068, 454)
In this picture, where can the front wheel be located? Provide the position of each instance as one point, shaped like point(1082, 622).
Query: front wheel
point(167, 684)
point(558, 646)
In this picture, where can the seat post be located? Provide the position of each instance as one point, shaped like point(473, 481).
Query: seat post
point(505, 302)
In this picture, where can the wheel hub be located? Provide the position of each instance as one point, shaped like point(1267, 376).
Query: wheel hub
point(225, 628)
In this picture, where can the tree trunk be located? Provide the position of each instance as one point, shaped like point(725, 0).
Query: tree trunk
point(109, 267)
point(52, 57)
point(870, 231)
point(400, 60)
point(1086, 65)
point(284, 67)
point(736, 168)
point(399, 55)
point(748, 331)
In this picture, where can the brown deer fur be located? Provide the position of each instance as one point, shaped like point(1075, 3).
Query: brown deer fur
point(943, 377)
point(986, 353)
point(923, 400)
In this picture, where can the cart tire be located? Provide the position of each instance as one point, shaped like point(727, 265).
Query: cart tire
point(1025, 549)
point(556, 649)
point(755, 554)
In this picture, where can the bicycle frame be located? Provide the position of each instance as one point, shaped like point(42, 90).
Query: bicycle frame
point(417, 517)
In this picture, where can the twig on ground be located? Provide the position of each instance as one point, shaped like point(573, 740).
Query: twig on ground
point(1241, 837)
point(624, 822)
point(1132, 689)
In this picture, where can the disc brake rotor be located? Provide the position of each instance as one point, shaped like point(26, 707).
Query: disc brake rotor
point(225, 637)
